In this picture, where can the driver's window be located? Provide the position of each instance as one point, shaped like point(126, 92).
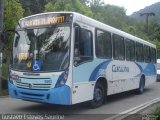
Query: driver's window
point(83, 50)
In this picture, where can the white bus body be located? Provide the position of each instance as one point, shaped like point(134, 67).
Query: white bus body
point(94, 69)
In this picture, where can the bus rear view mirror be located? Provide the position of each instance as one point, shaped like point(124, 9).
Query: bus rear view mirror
point(9, 34)
point(16, 41)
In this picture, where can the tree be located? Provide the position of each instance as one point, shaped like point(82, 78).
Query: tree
point(13, 11)
point(95, 3)
point(34, 6)
point(112, 15)
point(68, 5)
point(137, 29)
point(85, 1)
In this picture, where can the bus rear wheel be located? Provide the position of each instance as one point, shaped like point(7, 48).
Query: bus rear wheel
point(98, 96)
point(140, 90)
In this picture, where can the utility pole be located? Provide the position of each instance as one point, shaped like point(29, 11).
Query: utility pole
point(62, 5)
point(147, 17)
point(1, 31)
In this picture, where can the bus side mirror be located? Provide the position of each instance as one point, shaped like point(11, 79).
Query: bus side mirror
point(16, 41)
point(7, 35)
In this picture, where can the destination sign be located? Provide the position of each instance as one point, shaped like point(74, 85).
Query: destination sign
point(45, 19)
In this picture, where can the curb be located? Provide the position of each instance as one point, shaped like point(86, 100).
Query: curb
point(134, 110)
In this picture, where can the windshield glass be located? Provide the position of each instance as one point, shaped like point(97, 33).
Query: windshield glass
point(41, 49)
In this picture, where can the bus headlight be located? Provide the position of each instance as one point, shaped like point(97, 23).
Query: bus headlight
point(62, 82)
point(62, 79)
point(13, 77)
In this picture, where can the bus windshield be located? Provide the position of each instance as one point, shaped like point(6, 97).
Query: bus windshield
point(41, 49)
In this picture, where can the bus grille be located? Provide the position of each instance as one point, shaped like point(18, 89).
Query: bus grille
point(33, 85)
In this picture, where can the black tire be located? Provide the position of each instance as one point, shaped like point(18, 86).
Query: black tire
point(140, 90)
point(98, 96)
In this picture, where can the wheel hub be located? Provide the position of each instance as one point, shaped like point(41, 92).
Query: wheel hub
point(98, 94)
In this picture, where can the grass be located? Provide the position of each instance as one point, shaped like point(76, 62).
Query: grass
point(156, 113)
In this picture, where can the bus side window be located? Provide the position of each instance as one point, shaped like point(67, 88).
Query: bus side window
point(118, 47)
point(147, 54)
point(153, 55)
point(103, 44)
point(83, 45)
point(139, 52)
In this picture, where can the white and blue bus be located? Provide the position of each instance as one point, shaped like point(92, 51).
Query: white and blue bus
point(67, 58)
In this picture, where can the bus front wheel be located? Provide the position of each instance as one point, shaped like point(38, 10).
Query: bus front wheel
point(98, 96)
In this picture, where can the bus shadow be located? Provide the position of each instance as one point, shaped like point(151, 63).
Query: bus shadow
point(125, 95)
point(54, 109)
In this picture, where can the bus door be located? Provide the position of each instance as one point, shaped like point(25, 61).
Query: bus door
point(83, 63)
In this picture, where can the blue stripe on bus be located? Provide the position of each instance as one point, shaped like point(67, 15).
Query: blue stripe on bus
point(95, 74)
point(150, 69)
point(140, 68)
point(147, 70)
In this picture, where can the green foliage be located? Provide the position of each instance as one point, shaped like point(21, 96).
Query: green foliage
point(130, 29)
point(156, 112)
point(33, 6)
point(96, 3)
point(111, 15)
point(13, 11)
point(5, 71)
point(85, 1)
point(137, 29)
point(68, 5)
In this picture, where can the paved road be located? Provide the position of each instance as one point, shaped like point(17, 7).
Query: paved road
point(115, 104)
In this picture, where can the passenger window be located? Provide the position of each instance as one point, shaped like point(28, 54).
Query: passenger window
point(153, 55)
point(83, 50)
point(139, 52)
point(118, 47)
point(86, 43)
point(147, 54)
point(130, 50)
point(103, 44)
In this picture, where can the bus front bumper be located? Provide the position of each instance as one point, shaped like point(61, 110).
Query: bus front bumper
point(60, 95)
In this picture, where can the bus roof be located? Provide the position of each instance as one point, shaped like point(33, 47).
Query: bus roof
point(92, 22)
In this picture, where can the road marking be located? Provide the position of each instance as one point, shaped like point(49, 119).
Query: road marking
point(134, 110)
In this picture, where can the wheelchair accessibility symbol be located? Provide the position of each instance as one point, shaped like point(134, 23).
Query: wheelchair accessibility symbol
point(37, 65)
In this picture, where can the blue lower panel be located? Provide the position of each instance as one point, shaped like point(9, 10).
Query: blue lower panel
point(60, 95)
